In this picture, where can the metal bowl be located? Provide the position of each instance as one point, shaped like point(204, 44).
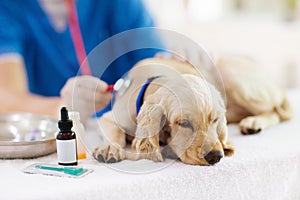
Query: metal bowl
point(26, 135)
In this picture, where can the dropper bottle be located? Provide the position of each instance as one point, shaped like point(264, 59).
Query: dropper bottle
point(66, 140)
point(78, 128)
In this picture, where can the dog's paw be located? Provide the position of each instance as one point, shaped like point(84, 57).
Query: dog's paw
point(250, 125)
point(108, 154)
point(148, 149)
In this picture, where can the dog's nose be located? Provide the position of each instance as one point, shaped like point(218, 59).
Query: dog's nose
point(213, 157)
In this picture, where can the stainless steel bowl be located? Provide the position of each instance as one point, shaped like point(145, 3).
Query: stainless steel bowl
point(25, 135)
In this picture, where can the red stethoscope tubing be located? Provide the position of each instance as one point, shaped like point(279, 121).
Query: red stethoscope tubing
point(78, 41)
point(77, 37)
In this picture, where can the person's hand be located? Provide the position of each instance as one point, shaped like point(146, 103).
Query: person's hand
point(85, 94)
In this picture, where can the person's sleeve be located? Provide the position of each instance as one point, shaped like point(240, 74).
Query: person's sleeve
point(133, 15)
point(128, 15)
point(11, 33)
point(131, 22)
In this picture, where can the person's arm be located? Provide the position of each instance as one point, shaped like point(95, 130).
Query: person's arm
point(139, 39)
point(14, 95)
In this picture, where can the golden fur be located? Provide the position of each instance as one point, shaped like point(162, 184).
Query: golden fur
point(187, 114)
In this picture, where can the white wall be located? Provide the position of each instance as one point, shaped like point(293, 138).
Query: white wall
point(272, 42)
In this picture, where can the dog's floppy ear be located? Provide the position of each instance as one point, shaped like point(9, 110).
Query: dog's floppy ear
point(150, 120)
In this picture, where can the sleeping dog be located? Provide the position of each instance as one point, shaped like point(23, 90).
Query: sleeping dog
point(170, 104)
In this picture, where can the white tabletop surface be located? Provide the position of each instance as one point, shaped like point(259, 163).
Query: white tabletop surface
point(265, 166)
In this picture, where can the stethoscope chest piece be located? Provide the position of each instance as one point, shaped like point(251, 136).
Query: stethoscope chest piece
point(122, 85)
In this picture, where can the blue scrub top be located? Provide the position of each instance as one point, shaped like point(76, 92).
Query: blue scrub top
point(49, 56)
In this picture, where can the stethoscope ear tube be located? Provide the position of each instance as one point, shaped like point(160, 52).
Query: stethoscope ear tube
point(77, 38)
point(122, 84)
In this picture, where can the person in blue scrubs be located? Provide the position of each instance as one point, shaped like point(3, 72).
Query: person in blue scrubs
point(37, 55)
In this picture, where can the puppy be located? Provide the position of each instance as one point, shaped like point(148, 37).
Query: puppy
point(186, 114)
point(253, 100)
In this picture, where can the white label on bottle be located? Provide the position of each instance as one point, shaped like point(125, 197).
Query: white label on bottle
point(66, 151)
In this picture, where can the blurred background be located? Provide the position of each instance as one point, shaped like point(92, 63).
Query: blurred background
point(266, 31)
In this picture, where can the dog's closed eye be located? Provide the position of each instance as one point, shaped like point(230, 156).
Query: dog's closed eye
point(186, 124)
point(215, 120)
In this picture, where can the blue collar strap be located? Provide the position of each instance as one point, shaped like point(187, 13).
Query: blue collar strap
point(140, 97)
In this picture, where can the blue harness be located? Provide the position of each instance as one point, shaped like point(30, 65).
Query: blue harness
point(140, 97)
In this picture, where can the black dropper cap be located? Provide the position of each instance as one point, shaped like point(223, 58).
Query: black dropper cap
point(64, 124)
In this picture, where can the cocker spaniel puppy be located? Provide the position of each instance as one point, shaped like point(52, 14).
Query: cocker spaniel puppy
point(170, 109)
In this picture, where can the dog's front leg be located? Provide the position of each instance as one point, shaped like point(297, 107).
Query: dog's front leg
point(112, 150)
point(149, 124)
point(222, 129)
